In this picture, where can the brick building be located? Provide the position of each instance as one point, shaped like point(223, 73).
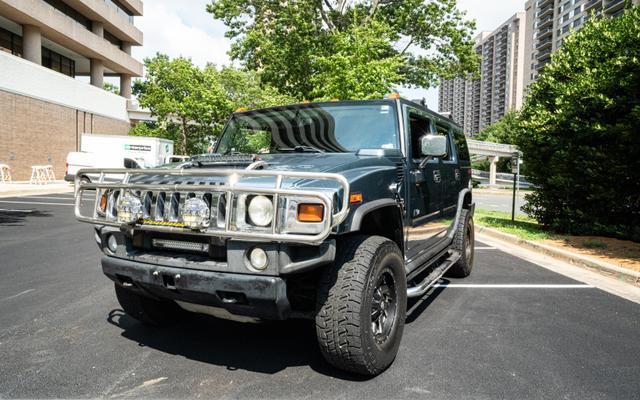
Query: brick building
point(47, 46)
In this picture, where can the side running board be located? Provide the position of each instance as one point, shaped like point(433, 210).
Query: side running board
point(435, 275)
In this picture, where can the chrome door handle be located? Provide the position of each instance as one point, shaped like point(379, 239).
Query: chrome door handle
point(418, 176)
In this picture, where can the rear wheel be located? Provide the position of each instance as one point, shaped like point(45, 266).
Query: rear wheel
point(463, 242)
point(147, 310)
point(362, 305)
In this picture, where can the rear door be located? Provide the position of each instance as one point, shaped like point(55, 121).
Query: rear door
point(425, 225)
point(451, 175)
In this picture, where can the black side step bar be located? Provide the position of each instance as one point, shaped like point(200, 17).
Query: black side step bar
point(434, 276)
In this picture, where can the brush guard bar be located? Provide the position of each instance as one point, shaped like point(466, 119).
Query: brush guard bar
point(230, 190)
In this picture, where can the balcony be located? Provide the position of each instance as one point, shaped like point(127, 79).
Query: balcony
point(115, 20)
point(543, 44)
point(592, 4)
point(546, 22)
point(545, 12)
point(613, 6)
point(67, 32)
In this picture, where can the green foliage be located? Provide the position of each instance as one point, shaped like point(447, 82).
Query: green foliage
point(348, 49)
point(504, 131)
point(192, 104)
point(580, 132)
point(110, 87)
point(362, 66)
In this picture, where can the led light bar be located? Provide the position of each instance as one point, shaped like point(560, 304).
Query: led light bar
point(180, 245)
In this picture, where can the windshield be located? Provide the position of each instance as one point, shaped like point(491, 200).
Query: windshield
point(331, 128)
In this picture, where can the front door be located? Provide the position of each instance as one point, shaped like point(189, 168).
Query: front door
point(426, 222)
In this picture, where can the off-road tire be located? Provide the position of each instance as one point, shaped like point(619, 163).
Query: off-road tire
point(344, 320)
point(147, 310)
point(463, 242)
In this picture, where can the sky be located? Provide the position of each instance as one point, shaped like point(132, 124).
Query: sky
point(184, 28)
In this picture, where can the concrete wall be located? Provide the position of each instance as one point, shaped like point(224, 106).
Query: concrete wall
point(23, 77)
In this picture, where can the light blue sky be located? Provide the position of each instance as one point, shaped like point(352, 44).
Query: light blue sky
point(183, 28)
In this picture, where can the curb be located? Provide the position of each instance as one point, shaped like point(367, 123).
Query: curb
point(563, 255)
point(35, 191)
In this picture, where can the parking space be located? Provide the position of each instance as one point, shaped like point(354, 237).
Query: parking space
point(511, 330)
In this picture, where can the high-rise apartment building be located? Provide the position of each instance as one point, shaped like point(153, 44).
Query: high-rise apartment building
point(476, 103)
point(549, 22)
point(45, 45)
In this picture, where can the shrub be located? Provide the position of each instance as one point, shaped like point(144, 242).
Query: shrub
point(580, 132)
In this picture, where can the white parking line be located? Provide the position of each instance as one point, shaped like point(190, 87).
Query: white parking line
point(36, 203)
point(16, 211)
point(485, 248)
point(19, 294)
point(513, 286)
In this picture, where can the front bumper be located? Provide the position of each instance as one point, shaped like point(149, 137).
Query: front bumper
point(263, 297)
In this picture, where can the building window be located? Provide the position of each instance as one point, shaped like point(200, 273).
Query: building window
point(10, 42)
point(70, 12)
point(112, 39)
point(58, 62)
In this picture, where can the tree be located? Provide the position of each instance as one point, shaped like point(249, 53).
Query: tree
point(580, 132)
point(504, 131)
point(182, 95)
point(192, 104)
point(309, 48)
point(110, 87)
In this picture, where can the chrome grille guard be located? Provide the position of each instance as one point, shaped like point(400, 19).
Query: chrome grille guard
point(230, 190)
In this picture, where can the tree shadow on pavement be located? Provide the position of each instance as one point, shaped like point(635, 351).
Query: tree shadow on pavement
point(17, 217)
point(267, 347)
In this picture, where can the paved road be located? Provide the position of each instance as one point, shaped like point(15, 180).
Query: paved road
point(498, 202)
point(62, 334)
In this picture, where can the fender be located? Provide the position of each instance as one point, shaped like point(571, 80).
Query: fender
point(365, 209)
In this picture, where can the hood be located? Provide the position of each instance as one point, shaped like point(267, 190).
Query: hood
point(352, 166)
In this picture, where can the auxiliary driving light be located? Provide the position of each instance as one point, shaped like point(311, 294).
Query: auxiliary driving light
point(196, 214)
point(129, 209)
point(258, 258)
point(260, 210)
point(112, 243)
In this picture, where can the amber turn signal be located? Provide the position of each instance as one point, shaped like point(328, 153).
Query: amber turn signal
point(103, 202)
point(310, 212)
point(355, 198)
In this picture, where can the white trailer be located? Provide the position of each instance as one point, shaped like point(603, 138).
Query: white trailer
point(116, 151)
point(147, 151)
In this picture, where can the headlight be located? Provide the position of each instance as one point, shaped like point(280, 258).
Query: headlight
point(129, 209)
point(260, 210)
point(196, 214)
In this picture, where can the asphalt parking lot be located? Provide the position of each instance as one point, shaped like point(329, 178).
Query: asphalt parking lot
point(511, 330)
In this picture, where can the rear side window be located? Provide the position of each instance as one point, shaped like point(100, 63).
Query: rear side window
point(461, 144)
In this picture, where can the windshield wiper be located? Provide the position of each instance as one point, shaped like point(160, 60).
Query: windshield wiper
point(301, 149)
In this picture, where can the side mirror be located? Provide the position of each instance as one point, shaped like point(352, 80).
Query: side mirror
point(433, 145)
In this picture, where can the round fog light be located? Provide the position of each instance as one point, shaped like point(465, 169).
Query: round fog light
point(112, 243)
point(258, 259)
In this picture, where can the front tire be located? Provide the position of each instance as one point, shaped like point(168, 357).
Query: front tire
point(147, 310)
point(362, 305)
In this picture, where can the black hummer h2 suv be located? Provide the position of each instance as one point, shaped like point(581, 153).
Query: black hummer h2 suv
point(335, 212)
